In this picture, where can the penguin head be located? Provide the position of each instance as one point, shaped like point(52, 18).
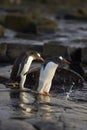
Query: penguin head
point(63, 60)
point(37, 56)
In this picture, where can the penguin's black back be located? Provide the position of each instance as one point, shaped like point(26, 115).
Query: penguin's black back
point(16, 64)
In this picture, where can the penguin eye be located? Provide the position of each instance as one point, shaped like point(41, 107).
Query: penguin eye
point(38, 54)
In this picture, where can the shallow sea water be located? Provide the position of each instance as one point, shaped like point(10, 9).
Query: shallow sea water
point(28, 106)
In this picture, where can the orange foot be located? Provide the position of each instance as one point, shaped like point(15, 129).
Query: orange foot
point(45, 93)
point(13, 84)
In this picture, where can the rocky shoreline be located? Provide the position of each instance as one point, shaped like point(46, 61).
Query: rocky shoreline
point(26, 110)
point(9, 52)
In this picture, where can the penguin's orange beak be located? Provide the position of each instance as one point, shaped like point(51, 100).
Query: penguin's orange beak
point(66, 61)
point(42, 59)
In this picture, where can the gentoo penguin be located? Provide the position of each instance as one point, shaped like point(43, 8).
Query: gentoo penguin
point(47, 73)
point(22, 65)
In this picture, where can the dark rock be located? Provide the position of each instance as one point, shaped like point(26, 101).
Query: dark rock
point(84, 54)
point(14, 50)
point(48, 125)
point(9, 52)
point(78, 14)
point(54, 49)
point(74, 55)
point(20, 23)
point(1, 31)
point(3, 56)
point(2, 19)
point(62, 81)
point(30, 24)
point(15, 125)
point(46, 25)
point(74, 17)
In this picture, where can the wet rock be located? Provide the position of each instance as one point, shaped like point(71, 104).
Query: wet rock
point(46, 25)
point(1, 31)
point(79, 14)
point(74, 55)
point(84, 55)
point(20, 23)
point(76, 14)
point(75, 17)
point(3, 79)
point(2, 19)
point(48, 125)
point(30, 24)
point(62, 81)
point(14, 50)
point(3, 49)
point(9, 52)
point(15, 125)
point(54, 49)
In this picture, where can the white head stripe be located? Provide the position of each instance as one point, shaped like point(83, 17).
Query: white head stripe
point(60, 57)
point(38, 54)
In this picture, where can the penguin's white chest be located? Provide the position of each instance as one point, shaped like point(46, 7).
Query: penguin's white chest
point(49, 71)
point(27, 65)
point(46, 76)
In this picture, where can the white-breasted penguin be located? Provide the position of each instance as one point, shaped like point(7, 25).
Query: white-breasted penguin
point(47, 73)
point(22, 65)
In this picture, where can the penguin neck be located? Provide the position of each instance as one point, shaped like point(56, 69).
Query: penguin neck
point(27, 64)
point(30, 59)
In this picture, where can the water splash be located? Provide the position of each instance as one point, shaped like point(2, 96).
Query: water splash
point(68, 93)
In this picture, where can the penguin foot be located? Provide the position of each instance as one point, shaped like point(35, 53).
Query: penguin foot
point(45, 93)
point(14, 84)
